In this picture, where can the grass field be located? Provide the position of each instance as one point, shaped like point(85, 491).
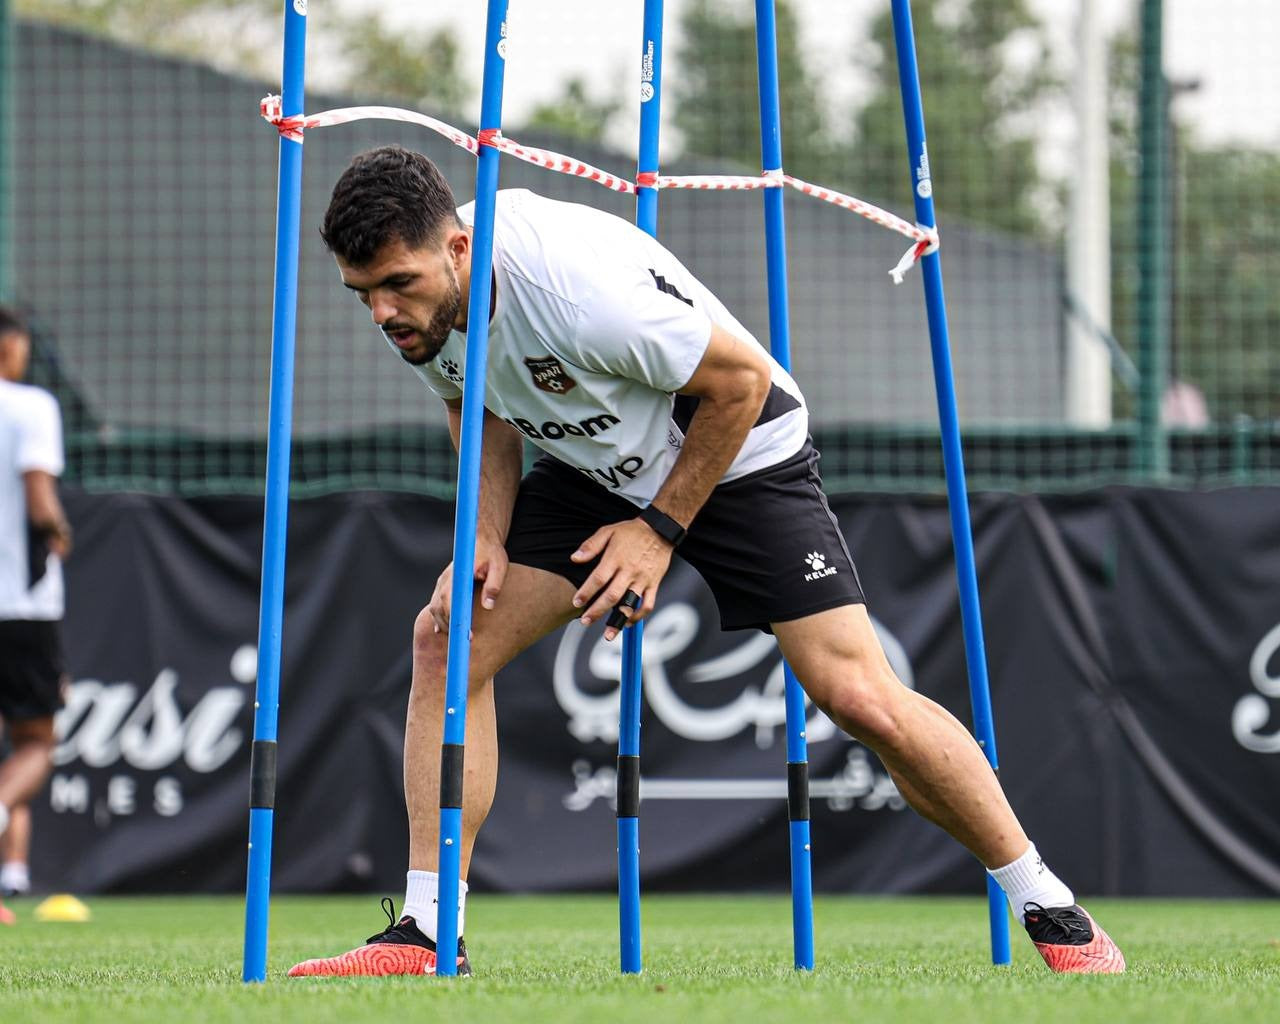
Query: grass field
point(706, 959)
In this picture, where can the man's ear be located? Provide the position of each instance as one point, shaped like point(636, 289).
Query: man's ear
point(459, 248)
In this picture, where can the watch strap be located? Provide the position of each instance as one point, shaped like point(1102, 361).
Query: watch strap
point(663, 525)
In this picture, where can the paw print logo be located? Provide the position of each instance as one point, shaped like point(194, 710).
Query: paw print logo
point(450, 369)
point(815, 561)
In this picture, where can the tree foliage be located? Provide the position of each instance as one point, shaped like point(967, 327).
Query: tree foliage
point(231, 34)
point(715, 92)
point(980, 106)
point(575, 113)
point(979, 113)
point(421, 67)
point(1226, 308)
point(1224, 217)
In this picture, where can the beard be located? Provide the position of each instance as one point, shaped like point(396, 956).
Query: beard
point(436, 333)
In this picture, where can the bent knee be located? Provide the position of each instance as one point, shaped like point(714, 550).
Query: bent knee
point(431, 658)
point(868, 706)
point(430, 646)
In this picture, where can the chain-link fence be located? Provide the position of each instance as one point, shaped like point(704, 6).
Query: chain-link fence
point(1110, 232)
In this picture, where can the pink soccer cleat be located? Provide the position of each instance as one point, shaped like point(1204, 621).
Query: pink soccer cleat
point(400, 948)
point(1071, 941)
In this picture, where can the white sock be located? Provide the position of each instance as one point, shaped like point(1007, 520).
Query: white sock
point(1029, 880)
point(15, 875)
point(4, 819)
point(421, 899)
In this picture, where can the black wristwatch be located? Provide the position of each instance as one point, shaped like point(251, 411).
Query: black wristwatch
point(663, 525)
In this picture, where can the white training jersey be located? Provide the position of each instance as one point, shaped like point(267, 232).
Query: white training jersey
point(30, 439)
point(596, 326)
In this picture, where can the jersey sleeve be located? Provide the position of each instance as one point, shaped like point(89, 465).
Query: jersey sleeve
point(640, 332)
point(40, 437)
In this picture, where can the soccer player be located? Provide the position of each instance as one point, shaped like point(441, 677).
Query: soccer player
point(664, 425)
point(34, 538)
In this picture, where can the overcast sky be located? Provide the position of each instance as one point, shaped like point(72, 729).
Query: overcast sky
point(1231, 46)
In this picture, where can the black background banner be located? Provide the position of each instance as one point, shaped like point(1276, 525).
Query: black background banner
point(1133, 639)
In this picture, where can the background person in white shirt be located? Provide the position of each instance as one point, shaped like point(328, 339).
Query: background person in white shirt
point(664, 424)
point(34, 538)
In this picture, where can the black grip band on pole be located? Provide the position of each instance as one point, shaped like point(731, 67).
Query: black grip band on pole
point(451, 775)
point(798, 790)
point(628, 786)
point(262, 774)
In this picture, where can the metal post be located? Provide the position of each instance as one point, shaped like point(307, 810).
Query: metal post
point(7, 136)
point(1087, 373)
point(957, 499)
point(464, 528)
point(1153, 254)
point(262, 770)
point(780, 346)
point(628, 781)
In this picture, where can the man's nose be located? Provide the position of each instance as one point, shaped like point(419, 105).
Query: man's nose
point(382, 308)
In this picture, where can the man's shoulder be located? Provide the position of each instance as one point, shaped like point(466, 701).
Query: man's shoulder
point(551, 218)
point(566, 258)
point(547, 249)
point(27, 399)
point(30, 415)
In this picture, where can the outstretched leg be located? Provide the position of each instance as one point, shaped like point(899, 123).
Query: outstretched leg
point(942, 773)
point(938, 766)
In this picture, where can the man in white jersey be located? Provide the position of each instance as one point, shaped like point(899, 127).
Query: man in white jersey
point(664, 424)
point(34, 538)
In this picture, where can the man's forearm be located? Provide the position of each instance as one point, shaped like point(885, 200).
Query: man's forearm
point(715, 436)
point(44, 510)
point(501, 462)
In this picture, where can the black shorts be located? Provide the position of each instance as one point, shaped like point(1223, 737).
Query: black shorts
point(30, 669)
point(767, 544)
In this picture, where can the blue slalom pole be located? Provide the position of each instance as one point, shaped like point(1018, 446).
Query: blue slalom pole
point(262, 765)
point(464, 526)
point(957, 496)
point(628, 782)
point(780, 346)
point(650, 116)
point(628, 807)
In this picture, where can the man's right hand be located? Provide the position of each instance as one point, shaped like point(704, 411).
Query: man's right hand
point(59, 539)
point(491, 569)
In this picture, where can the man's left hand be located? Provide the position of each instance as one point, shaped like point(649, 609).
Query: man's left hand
point(632, 557)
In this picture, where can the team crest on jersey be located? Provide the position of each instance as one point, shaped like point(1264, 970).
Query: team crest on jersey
point(549, 375)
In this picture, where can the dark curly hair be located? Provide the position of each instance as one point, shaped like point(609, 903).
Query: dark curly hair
point(12, 322)
point(386, 194)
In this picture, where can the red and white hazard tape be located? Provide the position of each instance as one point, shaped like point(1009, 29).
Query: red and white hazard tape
point(925, 238)
point(292, 127)
point(554, 161)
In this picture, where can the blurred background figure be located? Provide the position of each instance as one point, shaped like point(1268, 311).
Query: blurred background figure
point(34, 538)
point(15, 852)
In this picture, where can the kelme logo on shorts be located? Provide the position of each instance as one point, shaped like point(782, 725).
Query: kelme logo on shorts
point(818, 563)
point(549, 375)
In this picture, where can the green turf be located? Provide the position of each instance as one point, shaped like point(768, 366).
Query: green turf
point(706, 960)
